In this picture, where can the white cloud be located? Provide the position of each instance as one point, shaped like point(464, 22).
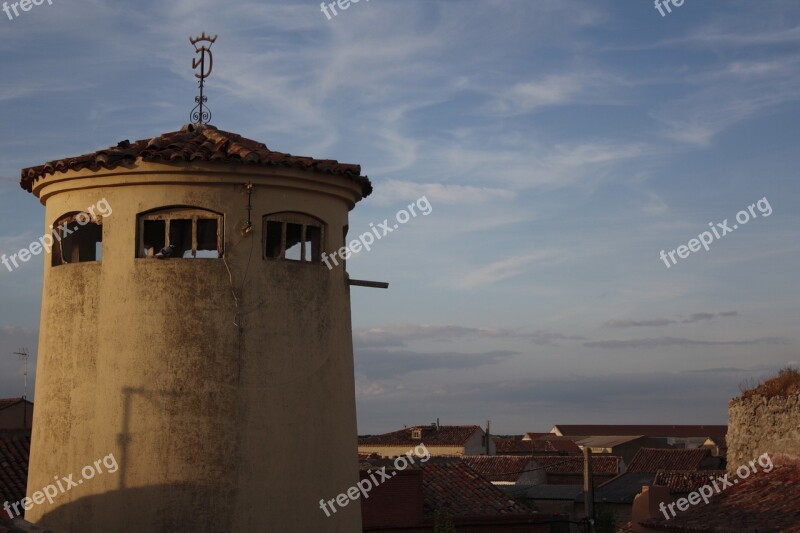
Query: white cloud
point(393, 191)
point(496, 271)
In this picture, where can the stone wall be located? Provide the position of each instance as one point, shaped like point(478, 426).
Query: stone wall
point(762, 424)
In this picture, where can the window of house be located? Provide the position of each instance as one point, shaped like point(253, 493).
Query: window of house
point(416, 433)
point(183, 233)
point(78, 238)
point(293, 237)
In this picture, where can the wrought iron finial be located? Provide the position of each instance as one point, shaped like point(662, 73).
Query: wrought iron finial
point(200, 113)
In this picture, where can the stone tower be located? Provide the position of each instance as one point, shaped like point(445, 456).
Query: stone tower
point(195, 364)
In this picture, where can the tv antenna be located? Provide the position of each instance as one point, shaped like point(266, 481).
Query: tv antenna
point(23, 355)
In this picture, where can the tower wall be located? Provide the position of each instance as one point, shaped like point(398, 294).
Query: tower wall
point(223, 413)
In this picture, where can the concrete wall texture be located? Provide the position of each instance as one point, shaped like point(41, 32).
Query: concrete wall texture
point(215, 427)
point(760, 425)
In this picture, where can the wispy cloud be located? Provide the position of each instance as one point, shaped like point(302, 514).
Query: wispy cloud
point(393, 191)
point(657, 322)
point(497, 271)
point(668, 342)
point(384, 364)
point(402, 335)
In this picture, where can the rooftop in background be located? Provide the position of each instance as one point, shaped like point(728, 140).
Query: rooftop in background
point(596, 430)
point(9, 402)
point(602, 464)
point(606, 441)
point(654, 459)
point(15, 445)
point(459, 491)
point(431, 435)
point(192, 144)
point(762, 502)
point(539, 445)
point(687, 481)
point(498, 468)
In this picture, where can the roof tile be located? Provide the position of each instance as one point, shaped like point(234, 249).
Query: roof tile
point(459, 491)
point(192, 143)
point(655, 459)
point(15, 448)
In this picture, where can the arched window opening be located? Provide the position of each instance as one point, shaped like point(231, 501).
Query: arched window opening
point(184, 233)
point(78, 238)
point(293, 237)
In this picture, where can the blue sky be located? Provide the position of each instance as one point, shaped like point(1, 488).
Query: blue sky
point(561, 144)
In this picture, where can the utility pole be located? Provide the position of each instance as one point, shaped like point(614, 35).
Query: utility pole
point(588, 487)
point(23, 355)
point(488, 436)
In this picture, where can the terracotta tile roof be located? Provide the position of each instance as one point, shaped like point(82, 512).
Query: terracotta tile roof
point(607, 441)
point(15, 447)
point(680, 482)
point(655, 459)
point(431, 436)
point(764, 502)
point(605, 464)
point(459, 491)
point(645, 430)
point(193, 144)
point(499, 467)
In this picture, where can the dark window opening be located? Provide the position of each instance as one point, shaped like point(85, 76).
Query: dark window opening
point(180, 236)
point(180, 233)
point(293, 237)
point(153, 236)
point(207, 238)
point(274, 240)
point(79, 242)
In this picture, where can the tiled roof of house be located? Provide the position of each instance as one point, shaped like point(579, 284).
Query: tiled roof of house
point(458, 491)
point(680, 482)
point(15, 447)
point(764, 502)
point(655, 459)
point(607, 441)
point(539, 445)
point(498, 467)
point(193, 144)
point(646, 430)
point(431, 436)
point(606, 464)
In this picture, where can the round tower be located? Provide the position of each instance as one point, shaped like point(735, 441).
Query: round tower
point(195, 364)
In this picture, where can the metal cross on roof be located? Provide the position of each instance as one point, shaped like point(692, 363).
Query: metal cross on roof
point(200, 113)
